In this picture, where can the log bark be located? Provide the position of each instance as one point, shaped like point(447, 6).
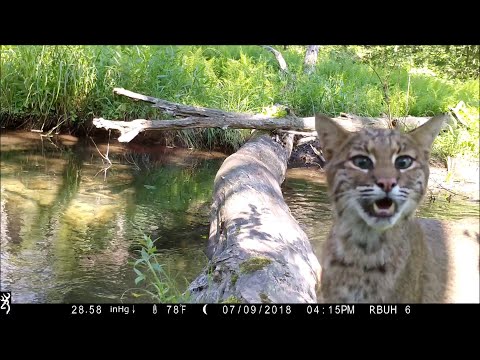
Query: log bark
point(258, 252)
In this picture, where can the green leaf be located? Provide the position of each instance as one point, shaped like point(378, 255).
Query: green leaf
point(145, 255)
point(149, 243)
point(139, 278)
point(157, 267)
point(138, 262)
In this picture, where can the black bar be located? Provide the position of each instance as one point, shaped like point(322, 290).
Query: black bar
point(316, 312)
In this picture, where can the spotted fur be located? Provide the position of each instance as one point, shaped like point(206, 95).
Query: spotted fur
point(375, 254)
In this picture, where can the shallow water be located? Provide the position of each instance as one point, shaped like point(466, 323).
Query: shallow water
point(70, 223)
point(70, 226)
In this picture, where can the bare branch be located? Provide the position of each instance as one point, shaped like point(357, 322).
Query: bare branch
point(200, 117)
point(278, 56)
point(301, 133)
point(175, 109)
point(306, 139)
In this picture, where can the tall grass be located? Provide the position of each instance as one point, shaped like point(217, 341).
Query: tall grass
point(50, 84)
point(45, 81)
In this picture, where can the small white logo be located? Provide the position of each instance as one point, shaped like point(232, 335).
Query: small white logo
point(5, 298)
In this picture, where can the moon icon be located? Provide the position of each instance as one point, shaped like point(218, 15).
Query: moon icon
point(205, 309)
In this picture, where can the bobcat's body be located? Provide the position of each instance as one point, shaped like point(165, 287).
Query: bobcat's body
point(376, 250)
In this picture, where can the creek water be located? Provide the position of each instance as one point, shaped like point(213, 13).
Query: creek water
point(71, 222)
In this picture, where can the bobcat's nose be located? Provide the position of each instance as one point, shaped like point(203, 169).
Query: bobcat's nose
point(386, 184)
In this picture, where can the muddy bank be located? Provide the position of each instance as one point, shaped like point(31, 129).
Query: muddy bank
point(444, 182)
point(306, 155)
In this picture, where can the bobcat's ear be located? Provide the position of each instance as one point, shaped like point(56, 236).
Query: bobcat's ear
point(426, 133)
point(330, 134)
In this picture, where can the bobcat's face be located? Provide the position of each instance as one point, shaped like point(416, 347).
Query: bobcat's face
point(379, 176)
point(376, 175)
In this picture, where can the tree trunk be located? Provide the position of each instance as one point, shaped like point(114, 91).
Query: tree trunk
point(311, 56)
point(258, 252)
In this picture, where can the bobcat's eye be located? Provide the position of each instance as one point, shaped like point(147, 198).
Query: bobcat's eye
point(362, 162)
point(403, 162)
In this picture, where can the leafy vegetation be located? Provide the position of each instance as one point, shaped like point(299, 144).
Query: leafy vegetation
point(159, 283)
point(49, 85)
point(458, 62)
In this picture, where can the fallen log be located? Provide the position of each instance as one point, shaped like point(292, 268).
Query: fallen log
point(200, 117)
point(132, 128)
point(258, 251)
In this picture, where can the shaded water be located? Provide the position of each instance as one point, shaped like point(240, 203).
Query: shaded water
point(70, 227)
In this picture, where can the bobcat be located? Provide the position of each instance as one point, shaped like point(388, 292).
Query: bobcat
point(376, 251)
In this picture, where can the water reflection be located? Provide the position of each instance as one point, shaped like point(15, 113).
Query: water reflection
point(69, 229)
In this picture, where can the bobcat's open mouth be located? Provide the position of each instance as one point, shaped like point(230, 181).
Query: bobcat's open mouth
point(383, 208)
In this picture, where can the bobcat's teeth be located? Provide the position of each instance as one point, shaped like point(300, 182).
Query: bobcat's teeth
point(384, 212)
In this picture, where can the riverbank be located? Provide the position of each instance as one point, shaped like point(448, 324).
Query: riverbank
point(458, 181)
point(68, 86)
